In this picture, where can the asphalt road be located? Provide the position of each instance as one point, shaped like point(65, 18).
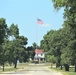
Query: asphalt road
point(34, 70)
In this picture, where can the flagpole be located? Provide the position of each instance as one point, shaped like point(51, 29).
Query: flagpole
point(39, 21)
point(36, 35)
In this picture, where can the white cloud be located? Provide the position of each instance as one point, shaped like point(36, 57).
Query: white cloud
point(46, 25)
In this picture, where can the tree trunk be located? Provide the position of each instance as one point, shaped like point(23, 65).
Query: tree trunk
point(57, 65)
point(61, 67)
point(75, 67)
point(3, 66)
point(15, 64)
point(51, 65)
point(66, 67)
point(58, 62)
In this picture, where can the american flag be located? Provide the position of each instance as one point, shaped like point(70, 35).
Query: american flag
point(39, 21)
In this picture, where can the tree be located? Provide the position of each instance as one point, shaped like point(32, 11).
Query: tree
point(72, 47)
point(14, 49)
point(18, 47)
point(3, 27)
point(13, 30)
point(30, 51)
point(69, 14)
point(23, 51)
point(35, 46)
point(62, 3)
point(4, 53)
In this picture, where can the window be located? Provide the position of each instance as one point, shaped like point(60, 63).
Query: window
point(41, 54)
point(37, 54)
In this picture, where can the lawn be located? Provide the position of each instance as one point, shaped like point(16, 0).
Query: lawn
point(71, 71)
point(8, 69)
point(11, 68)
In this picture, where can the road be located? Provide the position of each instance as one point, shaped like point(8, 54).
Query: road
point(34, 70)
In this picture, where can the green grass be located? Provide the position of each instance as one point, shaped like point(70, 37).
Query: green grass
point(11, 68)
point(8, 69)
point(71, 71)
point(22, 64)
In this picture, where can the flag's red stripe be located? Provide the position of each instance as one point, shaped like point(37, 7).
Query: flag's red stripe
point(39, 21)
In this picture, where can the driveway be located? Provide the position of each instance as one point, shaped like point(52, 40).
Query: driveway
point(34, 70)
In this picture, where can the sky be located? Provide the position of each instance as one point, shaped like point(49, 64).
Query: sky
point(25, 14)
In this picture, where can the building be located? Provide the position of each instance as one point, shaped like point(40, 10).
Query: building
point(39, 56)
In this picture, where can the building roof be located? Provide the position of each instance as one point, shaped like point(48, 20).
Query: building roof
point(38, 51)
